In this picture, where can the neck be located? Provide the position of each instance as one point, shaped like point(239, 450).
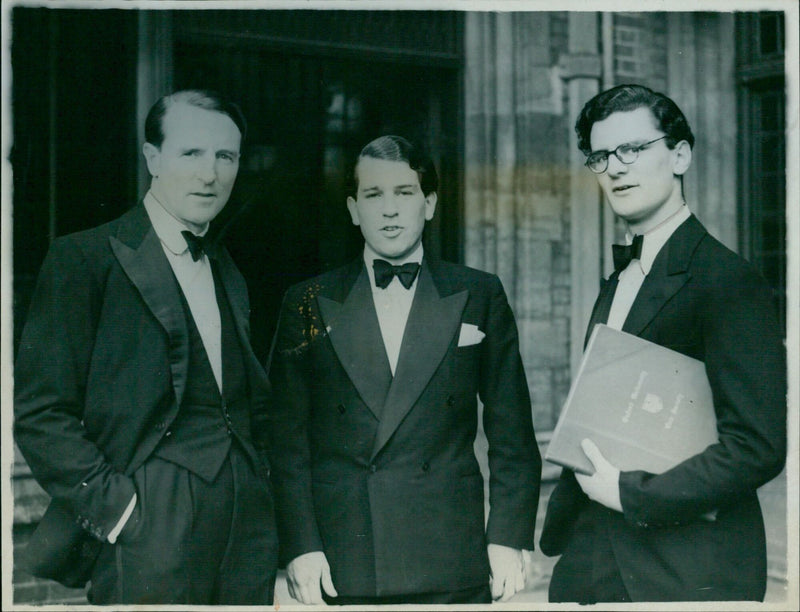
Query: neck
point(664, 214)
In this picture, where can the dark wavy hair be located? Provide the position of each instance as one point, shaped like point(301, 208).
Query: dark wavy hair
point(629, 97)
point(397, 148)
point(201, 98)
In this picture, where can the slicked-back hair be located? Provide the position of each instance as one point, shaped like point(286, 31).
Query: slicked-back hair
point(397, 148)
point(623, 98)
point(201, 98)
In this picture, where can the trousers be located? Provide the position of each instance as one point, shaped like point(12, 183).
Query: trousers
point(193, 542)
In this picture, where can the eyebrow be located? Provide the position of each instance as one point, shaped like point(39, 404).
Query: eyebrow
point(630, 143)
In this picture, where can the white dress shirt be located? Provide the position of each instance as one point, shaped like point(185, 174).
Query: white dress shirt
point(392, 304)
point(195, 279)
point(632, 277)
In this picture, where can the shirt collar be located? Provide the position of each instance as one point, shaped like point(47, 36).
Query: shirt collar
point(167, 227)
point(370, 255)
point(657, 237)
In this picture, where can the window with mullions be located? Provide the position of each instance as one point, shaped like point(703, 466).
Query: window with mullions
point(762, 107)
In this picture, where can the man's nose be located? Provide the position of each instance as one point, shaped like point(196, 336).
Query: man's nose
point(615, 166)
point(390, 208)
point(207, 169)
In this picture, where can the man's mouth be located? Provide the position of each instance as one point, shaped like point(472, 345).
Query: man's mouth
point(391, 228)
point(622, 188)
point(202, 194)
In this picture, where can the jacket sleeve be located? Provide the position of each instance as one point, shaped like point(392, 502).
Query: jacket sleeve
point(515, 464)
point(289, 453)
point(745, 363)
point(50, 382)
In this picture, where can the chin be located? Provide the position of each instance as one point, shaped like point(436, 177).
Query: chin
point(629, 211)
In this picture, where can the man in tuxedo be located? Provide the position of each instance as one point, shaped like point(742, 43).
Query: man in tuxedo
point(139, 402)
point(376, 367)
point(694, 532)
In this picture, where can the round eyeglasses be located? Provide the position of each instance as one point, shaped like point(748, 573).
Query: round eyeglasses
point(597, 161)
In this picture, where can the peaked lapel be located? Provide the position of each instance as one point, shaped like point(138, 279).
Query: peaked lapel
point(236, 293)
point(235, 289)
point(141, 256)
point(433, 322)
point(354, 331)
point(669, 273)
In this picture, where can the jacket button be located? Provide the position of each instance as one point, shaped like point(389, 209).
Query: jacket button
point(426, 466)
point(451, 401)
point(340, 408)
point(373, 468)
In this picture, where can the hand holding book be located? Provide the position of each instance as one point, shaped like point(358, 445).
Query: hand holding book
point(603, 485)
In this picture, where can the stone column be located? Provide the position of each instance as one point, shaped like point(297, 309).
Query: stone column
point(581, 70)
point(153, 74)
point(516, 177)
point(702, 81)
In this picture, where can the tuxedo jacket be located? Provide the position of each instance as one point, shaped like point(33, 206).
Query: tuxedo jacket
point(706, 302)
point(379, 472)
point(99, 377)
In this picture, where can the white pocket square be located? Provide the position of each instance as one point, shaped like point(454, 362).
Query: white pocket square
point(470, 334)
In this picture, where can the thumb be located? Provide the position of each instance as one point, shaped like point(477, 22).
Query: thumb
point(592, 452)
point(497, 585)
point(327, 581)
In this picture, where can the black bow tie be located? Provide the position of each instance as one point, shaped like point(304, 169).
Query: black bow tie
point(624, 253)
point(195, 243)
point(384, 272)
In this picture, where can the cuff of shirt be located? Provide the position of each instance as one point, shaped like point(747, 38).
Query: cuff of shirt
point(114, 533)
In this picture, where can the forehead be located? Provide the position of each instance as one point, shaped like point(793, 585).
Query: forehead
point(372, 172)
point(184, 123)
point(622, 127)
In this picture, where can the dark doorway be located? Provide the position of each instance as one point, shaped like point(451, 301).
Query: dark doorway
point(309, 114)
point(73, 154)
point(315, 87)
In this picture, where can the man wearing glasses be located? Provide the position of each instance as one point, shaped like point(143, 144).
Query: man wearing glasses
point(694, 532)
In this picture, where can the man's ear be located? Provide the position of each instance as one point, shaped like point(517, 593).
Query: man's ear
point(351, 206)
point(681, 158)
point(152, 155)
point(430, 205)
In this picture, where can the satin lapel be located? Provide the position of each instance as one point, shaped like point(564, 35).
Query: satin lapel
point(235, 291)
point(148, 269)
point(668, 274)
point(432, 324)
point(355, 334)
point(602, 306)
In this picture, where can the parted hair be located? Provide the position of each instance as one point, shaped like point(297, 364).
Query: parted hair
point(201, 98)
point(397, 148)
point(629, 97)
